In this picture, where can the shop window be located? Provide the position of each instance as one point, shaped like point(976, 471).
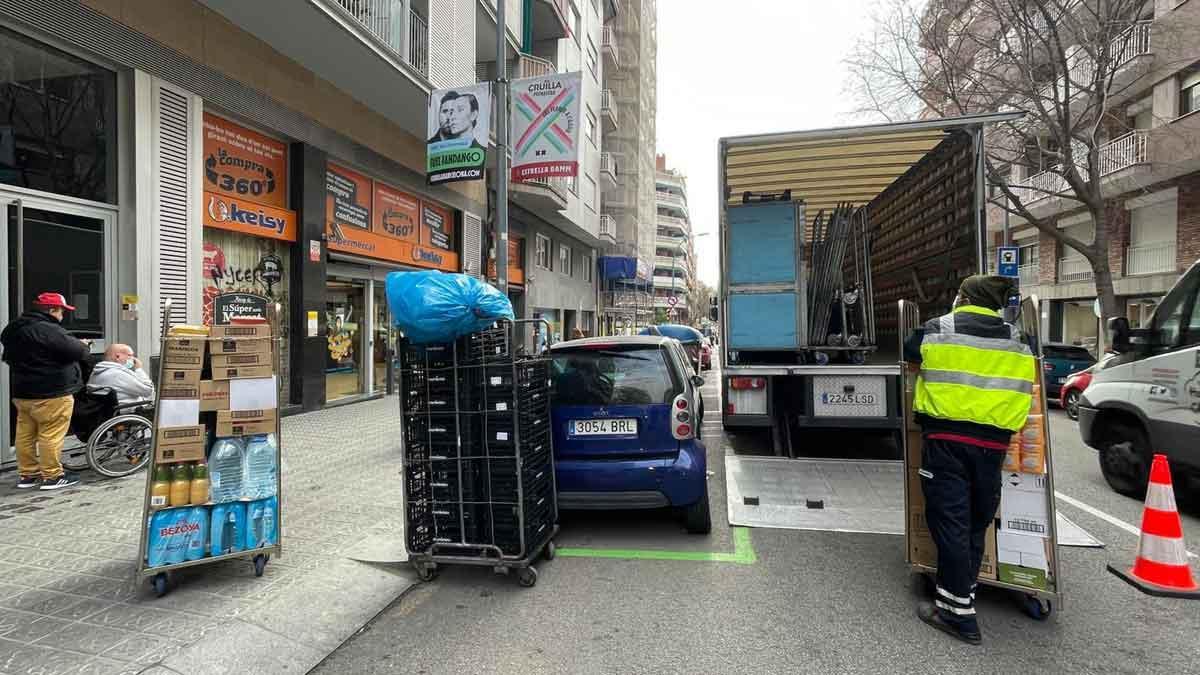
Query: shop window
point(564, 259)
point(543, 252)
point(57, 121)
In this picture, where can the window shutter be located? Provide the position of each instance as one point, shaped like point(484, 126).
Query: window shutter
point(472, 246)
point(175, 222)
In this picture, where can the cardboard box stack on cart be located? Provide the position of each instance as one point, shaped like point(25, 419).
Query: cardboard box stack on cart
point(213, 491)
point(1019, 546)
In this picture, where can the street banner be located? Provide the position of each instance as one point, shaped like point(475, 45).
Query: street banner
point(458, 125)
point(545, 126)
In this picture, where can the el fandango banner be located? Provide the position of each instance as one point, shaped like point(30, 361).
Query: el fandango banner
point(545, 126)
point(459, 124)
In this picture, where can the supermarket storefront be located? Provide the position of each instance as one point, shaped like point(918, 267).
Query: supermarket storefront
point(373, 228)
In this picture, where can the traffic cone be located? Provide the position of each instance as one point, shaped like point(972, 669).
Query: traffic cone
point(1161, 567)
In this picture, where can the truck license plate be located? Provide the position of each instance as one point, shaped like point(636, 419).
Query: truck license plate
point(624, 426)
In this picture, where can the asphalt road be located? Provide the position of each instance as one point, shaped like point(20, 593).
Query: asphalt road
point(819, 602)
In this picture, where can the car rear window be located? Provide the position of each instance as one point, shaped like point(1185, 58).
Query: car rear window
point(1067, 352)
point(612, 377)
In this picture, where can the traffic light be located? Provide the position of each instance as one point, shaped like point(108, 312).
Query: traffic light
point(714, 311)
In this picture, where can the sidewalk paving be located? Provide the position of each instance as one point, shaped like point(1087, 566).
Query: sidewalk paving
point(70, 603)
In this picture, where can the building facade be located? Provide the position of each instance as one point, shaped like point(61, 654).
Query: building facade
point(628, 208)
point(674, 264)
point(1150, 159)
point(202, 152)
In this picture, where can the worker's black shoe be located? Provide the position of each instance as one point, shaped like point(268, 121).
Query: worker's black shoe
point(929, 614)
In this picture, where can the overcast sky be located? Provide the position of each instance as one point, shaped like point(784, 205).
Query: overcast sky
point(750, 66)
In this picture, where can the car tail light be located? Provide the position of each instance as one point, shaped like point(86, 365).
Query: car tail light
point(747, 382)
point(730, 410)
point(681, 416)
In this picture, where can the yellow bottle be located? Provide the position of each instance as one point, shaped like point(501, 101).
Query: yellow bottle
point(160, 489)
point(181, 485)
point(199, 485)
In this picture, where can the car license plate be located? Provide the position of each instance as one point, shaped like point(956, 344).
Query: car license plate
point(623, 426)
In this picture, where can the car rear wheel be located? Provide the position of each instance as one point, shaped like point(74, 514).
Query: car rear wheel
point(697, 518)
point(1071, 404)
point(1125, 461)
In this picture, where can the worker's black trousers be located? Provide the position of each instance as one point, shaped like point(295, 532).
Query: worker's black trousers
point(962, 490)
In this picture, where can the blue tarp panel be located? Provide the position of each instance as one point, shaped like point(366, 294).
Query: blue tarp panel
point(762, 321)
point(762, 243)
point(618, 267)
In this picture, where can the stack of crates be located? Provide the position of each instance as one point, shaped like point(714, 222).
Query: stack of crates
point(478, 455)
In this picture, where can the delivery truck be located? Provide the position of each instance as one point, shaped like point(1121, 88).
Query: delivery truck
point(822, 232)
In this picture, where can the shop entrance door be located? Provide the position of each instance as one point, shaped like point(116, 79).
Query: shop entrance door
point(346, 318)
point(52, 245)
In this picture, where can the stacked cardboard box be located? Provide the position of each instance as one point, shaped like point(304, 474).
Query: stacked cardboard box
point(243, 389)
point(180, 436)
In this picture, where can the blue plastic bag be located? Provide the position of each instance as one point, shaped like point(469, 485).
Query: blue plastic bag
point(433, 307)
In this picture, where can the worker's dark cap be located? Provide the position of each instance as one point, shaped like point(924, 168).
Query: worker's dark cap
point(986, 290)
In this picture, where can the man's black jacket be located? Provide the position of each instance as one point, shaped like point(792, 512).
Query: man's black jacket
point(43, 356)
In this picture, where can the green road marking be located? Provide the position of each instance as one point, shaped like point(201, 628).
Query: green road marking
point(743, 552)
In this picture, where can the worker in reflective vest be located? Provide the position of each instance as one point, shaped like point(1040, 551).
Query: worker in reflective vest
point(973, 392)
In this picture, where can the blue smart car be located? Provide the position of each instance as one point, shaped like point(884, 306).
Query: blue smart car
point(627, 416)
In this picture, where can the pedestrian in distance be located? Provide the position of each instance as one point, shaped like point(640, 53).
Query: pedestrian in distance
point(44, 359)
point(122, 372)
point(973, 393)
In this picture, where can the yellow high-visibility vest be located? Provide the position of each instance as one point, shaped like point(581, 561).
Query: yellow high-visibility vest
point(970, 375)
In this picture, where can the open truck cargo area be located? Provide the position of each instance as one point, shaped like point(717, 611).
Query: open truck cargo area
point(822, 233)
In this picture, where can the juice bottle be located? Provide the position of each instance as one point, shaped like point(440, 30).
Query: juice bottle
point(199, 487)
point(160, 489)
point(181, 485)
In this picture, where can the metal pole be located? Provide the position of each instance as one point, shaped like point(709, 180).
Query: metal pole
point(501, 150)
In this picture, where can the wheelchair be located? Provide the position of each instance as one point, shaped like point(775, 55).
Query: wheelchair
point(116, 439)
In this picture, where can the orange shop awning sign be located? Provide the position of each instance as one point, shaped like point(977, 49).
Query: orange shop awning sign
point(259, 220)
point(349, 239)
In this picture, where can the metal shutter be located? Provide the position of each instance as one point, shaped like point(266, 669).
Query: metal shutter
point(472, 245)
point(170, 147)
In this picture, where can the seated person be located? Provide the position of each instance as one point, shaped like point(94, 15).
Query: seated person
point(122, 372)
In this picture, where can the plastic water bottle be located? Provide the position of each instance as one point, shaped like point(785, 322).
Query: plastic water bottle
point(226, 467)
point(228, 529)
point(197, 545)
point(261, 451)
point(269, 536)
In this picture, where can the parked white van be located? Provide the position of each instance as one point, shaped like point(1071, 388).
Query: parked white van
point(1146, 400)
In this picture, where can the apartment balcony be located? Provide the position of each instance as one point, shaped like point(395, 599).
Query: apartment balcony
point(680, 262)
point(668, 240)
point(665, 282)
point(550, 19)
point(1153, 258)
point(670, 199)
point(608, 48)
point(608, 228)
point(396, 26)
point(608, 171)
point(1118, 154)
point(545, 197)
point(1074, 269)
point(608, 110)
point(1029, 275)
point(672, 221)
point(1129, 44)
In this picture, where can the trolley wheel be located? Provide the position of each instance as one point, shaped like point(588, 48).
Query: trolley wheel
point(426, 572)
point(550, 551)
point(160, 584)
point(260, 564)
point(527, 577)
point(1036, 608)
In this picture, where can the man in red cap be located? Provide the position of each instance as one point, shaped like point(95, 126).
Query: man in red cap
point(44, 359)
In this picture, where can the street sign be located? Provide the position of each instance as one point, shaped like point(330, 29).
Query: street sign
point(1006, 261)
point(672, 301)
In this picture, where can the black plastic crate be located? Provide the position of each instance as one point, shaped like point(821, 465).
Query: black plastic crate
point(425, 356)
point(539, 525)
point(417, 481)
point(486, 346)
point(428, 391)
point(504, 479)
point(418, 525)
point(439, 433)
point(474, 527)
point(459, 480)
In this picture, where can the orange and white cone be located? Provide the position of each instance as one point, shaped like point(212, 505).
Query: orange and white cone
point(1161, 566)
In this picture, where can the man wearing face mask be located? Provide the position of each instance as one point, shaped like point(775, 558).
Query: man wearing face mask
point(973, 393)
point(122, 372)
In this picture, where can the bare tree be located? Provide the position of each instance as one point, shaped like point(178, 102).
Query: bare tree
point(1065, 63)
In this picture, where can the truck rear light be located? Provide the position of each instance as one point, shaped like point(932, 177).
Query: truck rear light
point(747, 382)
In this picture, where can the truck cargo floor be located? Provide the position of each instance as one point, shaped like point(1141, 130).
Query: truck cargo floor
point(832, 495)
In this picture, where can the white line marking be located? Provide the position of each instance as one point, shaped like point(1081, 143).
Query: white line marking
point(1111, 520)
